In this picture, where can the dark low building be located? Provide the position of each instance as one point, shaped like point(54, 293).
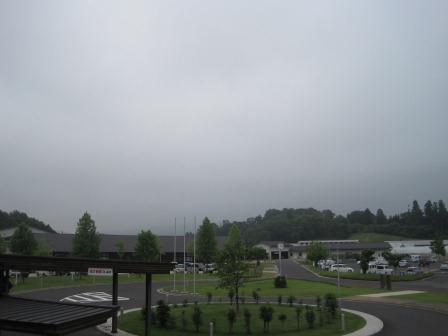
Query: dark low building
point(61, 245)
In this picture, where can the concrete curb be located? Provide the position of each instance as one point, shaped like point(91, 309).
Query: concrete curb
point(373, 324)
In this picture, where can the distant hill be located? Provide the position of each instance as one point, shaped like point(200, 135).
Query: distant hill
point(15, 218)
point(371, 237)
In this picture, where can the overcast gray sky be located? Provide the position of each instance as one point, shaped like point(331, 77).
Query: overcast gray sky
point(140, 111)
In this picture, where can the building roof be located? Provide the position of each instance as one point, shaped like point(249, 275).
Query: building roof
point(347, 247)
point(49, 318)
point(30, 263)
point(272, 243)
point(63, 242)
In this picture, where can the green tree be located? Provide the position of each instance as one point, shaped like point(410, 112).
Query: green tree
point(147, 247)
point(366, 257)
point(2, 245)
point(120, 248)
point(256, 296)
point(256, 253)
point(282, 318)
point(442, 218)
point(299, 309)
point(231, 318)
point(310, 316)
point(266, 314)
point(86, 242)
point(380, 217)
point(162, 313)
point(416, 216)
point(316, 251)
point(231, 264)
point(197, 317)
point(42, 250)
point(331, 304)
point(247, 320)
point(438, 247)
point(393, 259)
point(23, 241)
point(430, 213)
point(231, 295)
point(291, 300)
point(206, 244)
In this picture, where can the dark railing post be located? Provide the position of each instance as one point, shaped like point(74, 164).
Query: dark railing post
point(115, 300)
point(148, 303)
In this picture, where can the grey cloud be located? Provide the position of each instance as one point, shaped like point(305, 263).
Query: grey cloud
point(142, 111)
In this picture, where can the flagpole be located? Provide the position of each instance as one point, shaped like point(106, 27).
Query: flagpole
point(185, 260)
point(194, 257)
point(174, 258)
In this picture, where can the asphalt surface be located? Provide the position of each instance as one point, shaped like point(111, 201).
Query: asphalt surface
point(437, 283)
point(398, 320)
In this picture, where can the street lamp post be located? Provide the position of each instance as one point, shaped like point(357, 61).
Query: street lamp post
point(280, 248)
point(339, 292)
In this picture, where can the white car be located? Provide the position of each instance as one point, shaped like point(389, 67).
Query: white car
point(341, 267)
point(403, 263)
point(413, 270)
point(179, 268)
point(444, 267)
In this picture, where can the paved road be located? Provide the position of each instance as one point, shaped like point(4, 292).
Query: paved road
point(438, 283)
point(399, 321)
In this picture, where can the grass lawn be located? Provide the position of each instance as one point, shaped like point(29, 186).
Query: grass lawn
point(133, 323)
point(376, 237)
point(62, 281)
point(426, 297)
point(370, 276)
point(298, 288)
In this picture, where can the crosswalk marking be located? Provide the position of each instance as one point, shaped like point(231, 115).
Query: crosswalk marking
point(92, 297)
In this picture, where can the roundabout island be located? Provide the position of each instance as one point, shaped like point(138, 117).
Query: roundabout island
point(256, 319)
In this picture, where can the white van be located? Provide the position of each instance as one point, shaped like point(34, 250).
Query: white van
point(379, 269)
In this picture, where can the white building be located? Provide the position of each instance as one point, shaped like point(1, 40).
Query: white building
point(420, 247)
point(7, 233)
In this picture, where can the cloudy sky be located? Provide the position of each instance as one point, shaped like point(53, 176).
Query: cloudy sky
point(140, 111)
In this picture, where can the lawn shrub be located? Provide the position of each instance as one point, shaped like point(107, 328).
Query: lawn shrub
point(280, 282)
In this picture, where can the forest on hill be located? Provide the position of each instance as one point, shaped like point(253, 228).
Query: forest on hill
point(15, 218)
point(291, 225)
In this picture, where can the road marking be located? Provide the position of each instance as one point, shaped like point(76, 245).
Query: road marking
point(91, 297)
point(405, 292)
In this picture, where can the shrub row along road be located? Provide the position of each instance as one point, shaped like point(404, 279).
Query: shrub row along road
point(398, 321)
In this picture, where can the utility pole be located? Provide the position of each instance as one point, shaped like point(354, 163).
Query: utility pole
point(174, 258)
point(194, 257)
point(280, 248)
point(185, 260)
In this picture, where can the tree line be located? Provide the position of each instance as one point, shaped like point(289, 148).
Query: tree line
point(14, 218)
point(291, 225)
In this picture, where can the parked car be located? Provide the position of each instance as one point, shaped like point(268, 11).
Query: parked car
point(210, 268)
point(326, 264)
point(424, 262)
point(341, 267)
point(413, 270)
point(403, 263)
point(375, 268)
point(415, 257)
point(44, 273)
point(198, 266)
point(444, 267)
point(179, 268)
